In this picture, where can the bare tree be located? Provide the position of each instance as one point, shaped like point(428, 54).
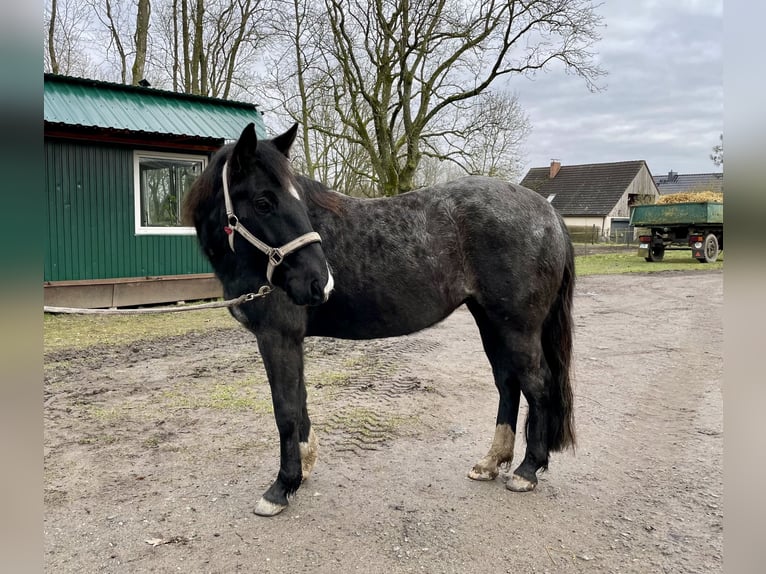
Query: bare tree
point(114, 16)
point(406, 65)
point(208, 47)
point(483, 137)
point(378, 86)
point(67, 26)
point(205, 47)
point(295, 83)
point(234, 36)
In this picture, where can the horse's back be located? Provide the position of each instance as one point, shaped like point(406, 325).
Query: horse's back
point(404, 263)
point(492, 201)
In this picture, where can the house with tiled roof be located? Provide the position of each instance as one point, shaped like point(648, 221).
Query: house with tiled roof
point(594, 196)
point(688, 182)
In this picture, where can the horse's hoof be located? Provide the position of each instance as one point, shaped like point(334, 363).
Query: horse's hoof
point(520, 484)
point(478, 473)
point(266, 508)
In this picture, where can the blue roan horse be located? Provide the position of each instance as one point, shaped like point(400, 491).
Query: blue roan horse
point(388, 267)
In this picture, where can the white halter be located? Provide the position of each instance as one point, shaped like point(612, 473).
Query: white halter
point(275, 254)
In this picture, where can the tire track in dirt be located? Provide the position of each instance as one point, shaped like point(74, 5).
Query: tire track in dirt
point(373, 402)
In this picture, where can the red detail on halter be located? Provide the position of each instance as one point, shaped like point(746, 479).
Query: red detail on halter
point(228, 230)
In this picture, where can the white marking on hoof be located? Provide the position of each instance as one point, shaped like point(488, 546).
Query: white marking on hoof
point(266, 508)
point(478, 473)
point(520, 484)
point(309, 453)
point(500, 453)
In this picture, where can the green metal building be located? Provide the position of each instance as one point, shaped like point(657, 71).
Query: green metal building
point(118, 160)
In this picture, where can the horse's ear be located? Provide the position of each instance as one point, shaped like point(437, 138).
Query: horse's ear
point(285, 141)
point(243, 154)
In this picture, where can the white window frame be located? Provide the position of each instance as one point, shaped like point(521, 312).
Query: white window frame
point(137, 156)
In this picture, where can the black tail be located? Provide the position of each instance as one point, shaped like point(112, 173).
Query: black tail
point(557, 346)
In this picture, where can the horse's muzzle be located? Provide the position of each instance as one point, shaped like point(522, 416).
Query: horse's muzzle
point(313, 292)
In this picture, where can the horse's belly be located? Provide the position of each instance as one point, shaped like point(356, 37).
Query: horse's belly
point(371, 321)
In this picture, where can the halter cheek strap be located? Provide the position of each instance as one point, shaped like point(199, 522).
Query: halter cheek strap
point(275, 254)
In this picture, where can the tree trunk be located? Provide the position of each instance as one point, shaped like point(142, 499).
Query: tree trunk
point(176, 57)
point(141, 35)
point(51, 39)
point(197, 56)
point(185, 43)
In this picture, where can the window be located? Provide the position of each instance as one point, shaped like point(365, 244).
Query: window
point(161, 181)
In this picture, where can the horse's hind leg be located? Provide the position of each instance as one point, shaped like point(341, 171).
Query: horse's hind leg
point(525, 363)
point(501, 450)
point(532, 381)
point(518, 364)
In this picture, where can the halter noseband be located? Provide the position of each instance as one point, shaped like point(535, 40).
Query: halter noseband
point(275, 254)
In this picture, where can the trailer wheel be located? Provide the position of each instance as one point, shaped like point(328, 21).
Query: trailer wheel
point(656, 252)
point(710, 249)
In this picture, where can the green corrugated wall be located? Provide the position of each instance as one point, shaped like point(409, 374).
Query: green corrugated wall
point(90, 231)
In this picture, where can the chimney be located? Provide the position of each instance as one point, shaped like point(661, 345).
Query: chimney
point(555, 167)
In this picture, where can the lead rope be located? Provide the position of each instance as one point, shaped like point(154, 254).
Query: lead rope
point(262, 292)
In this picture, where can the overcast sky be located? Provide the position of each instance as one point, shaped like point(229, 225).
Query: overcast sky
point(662, 99)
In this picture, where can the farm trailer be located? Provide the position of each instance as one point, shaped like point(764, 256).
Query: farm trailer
point(680, 226)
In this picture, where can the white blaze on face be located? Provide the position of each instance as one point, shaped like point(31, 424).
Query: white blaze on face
point(292, 191)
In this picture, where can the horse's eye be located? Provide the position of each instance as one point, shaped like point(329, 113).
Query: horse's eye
point(262, 205)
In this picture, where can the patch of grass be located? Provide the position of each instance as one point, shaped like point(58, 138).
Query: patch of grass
point(358, 361)
point(101, 439)
point(64, 332)
point(237, 395)
point(330, 379)
point(631, 262)
point(104, 413)
point(151, 442)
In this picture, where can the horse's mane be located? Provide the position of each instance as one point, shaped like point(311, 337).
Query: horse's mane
point(318, 194)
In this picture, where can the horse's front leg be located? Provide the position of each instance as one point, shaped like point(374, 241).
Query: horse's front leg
point(283, 359)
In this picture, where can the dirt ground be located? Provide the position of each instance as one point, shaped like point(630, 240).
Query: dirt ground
point(155, 454)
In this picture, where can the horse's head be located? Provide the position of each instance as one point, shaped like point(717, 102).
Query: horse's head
point(254, 218)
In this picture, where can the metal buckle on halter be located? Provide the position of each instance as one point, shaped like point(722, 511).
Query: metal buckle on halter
point(276, 256)
point(233, 220)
